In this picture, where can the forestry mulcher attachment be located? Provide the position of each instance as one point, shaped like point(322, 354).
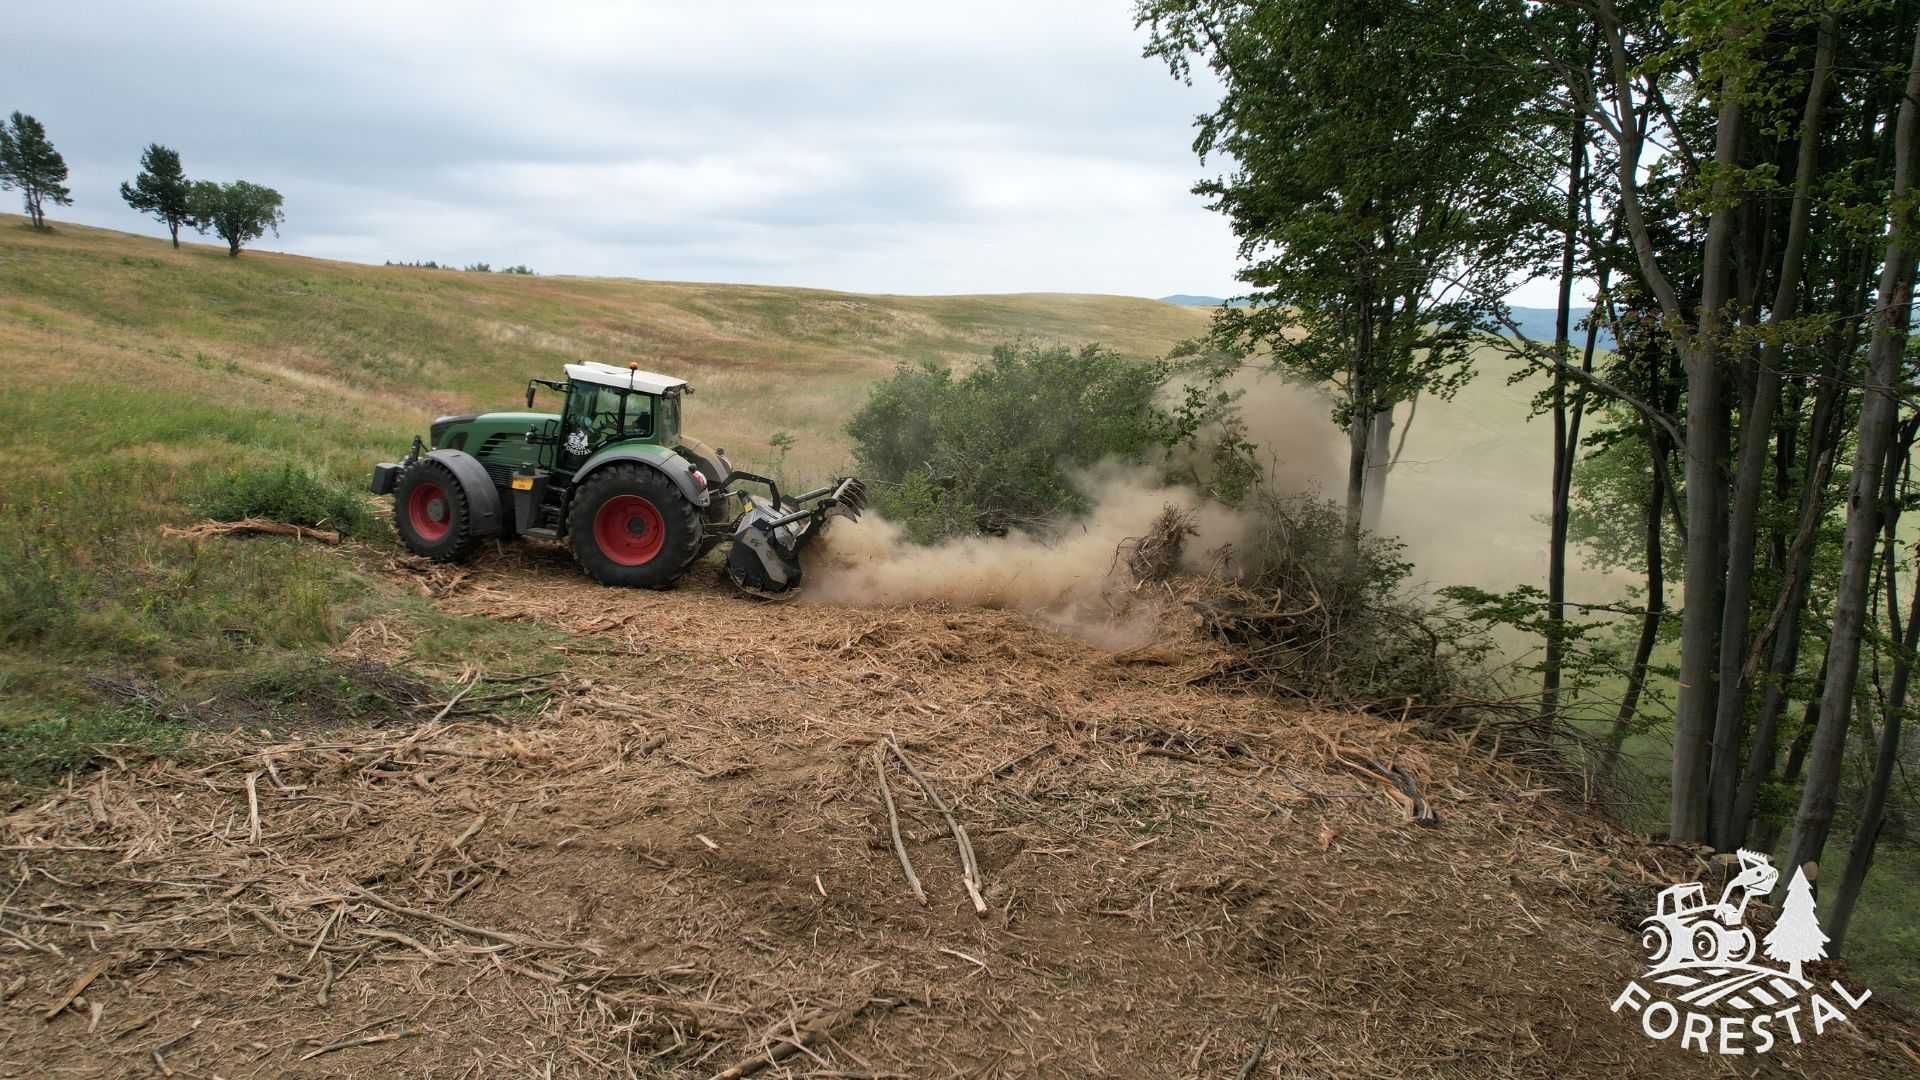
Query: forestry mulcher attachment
point(614, 477)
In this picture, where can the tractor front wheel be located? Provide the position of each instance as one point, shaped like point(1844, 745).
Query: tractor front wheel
point(431, 512)
point(630, 526)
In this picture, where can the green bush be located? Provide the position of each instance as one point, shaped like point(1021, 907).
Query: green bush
point(286, 493)
point(999, 447)
point(1317, 625)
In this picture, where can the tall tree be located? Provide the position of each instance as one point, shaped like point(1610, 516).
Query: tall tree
point(1878, 416)
point(1873, 810)
point(1757, 427)
point(238, 213)
point(1386, 190)
point(161, 189)
point(29, 162)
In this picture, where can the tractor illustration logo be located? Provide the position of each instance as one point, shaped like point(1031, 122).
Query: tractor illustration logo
point(1708, 984)
point(1686, 931)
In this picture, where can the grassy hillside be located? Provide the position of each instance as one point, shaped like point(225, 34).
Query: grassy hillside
point(371, 352)
point(138, 376)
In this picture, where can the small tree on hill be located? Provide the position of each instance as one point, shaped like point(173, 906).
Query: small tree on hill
point(161, 189)
point(29, 162)
point(1797, 937)
point(238, 212)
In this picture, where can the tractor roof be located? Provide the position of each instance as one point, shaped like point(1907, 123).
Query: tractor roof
point(647, 382)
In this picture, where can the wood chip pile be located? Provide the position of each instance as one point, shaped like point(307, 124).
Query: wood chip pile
point(686, 866)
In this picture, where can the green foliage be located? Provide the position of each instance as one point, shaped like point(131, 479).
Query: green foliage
point(1320, 622)
point(33, 596)
point(1211, 451)
point(1001, 447)
point(238, 213)
point(286, 493)
point(479, 268)
point(45, 749)
point(29, 162)
point(161, 189)
point(517, 268)
point(1387, 182)
point(927, 512)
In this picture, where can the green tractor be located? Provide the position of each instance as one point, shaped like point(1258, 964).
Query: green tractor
point(614, 477)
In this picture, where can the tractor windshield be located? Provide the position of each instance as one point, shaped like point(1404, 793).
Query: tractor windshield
point(607, 413)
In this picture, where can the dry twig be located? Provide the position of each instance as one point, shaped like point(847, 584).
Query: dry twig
point(893, 824)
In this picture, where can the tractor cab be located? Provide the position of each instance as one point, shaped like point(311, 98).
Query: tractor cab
point(1682, 899)
point(603, 405)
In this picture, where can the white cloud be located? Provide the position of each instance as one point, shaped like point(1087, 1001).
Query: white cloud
point(911, 147)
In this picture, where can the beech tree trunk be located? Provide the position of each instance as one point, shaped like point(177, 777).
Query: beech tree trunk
point(1554, 659)
point(1379, 462)
point(1878, 414)
point(1706, 523)
point(1823, 436)
point(1756, 429)
point(1650, 621)
point(1873, 811)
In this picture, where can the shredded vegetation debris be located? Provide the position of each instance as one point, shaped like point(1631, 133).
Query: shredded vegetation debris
point(681, 860)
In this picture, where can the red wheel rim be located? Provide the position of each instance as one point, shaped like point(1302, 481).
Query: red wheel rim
point(429, 511)
point(629, 530)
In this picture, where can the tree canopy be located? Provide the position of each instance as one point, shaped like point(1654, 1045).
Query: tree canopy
point(1385, 185)
point(161, 189)
point(238, 213)
point(29, 162)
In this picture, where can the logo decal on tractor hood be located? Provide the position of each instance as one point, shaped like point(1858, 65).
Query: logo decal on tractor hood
point(1709, 986)
point(577, 442)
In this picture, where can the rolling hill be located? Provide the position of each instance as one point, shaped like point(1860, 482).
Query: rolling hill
point(409, 807)
point(368, 353)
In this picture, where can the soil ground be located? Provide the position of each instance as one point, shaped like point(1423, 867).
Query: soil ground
point(673, 858)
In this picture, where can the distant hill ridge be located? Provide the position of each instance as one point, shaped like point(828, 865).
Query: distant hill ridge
point(1535, 322)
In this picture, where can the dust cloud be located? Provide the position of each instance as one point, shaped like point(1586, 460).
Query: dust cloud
point(1075, 580)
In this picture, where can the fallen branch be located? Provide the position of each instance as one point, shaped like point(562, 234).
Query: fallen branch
point(455, 700)
point(251, 527)
point(364, 1040)
point(969, 869)
point(893, 823)
point(781, 1047)
point(1401, 787)
point(466, 928)
point(253, 808)
point(74, 989)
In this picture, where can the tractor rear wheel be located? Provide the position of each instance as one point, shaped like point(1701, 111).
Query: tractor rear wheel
point(432, 514)
point(630, 526)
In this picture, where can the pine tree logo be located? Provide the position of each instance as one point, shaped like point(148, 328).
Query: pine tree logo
point(1707, 983)
point(1797, 937)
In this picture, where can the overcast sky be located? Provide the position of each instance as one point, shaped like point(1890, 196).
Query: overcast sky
point(973, 146)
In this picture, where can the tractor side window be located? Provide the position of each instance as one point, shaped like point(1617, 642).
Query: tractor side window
point(639, 414)
point(670, 417)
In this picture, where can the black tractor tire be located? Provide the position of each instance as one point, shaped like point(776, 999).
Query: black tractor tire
point(433, 513)
point(631, 527)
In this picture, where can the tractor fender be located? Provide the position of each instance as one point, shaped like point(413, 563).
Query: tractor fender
point(483, 499)
point(666, 462)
